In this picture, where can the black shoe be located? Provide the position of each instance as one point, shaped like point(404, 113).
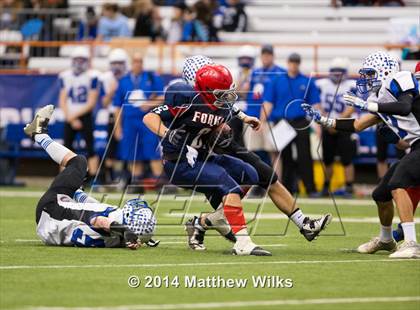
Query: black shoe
point(312, 227)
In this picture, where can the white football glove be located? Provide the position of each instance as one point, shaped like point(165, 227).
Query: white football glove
point(354, 101)
point(317, 117)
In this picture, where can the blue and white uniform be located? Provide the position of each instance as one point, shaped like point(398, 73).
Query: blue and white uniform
point(407, 127)
point(71, 232)
point(78, 87)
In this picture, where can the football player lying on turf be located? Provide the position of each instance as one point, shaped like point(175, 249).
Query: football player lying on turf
point(222, 143)
point(394, 100)
point(65, 215)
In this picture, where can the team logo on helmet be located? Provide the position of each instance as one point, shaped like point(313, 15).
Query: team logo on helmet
point(377, 68)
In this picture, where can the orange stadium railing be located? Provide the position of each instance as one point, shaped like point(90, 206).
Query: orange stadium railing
point(22, 47)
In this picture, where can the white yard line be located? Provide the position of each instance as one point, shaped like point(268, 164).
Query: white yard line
point(275, 216)
point(231, 263)
point(253, 303)
point(179, 198)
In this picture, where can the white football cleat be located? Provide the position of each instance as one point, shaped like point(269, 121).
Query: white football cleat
point(407, 249)
point(376, 245)
point(40, 122)
point(312, 227)
point(249, 249)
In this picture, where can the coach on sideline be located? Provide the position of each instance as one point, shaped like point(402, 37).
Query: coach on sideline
point(282, 99)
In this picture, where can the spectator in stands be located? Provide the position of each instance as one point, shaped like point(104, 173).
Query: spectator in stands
point(8, 14)
point(112, 23)
point(256, 140)
point(137, 93)
point(198, 23)
point(89, 26)
point(282, 100)
point(177, 23)
point(234, 17)
point(148, 21)
point(77, 99)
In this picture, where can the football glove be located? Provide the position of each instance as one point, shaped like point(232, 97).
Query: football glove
point(316, 116)
point(176, 136)
point(354, 101)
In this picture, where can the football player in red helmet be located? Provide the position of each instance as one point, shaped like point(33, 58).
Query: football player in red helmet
point(216, 86)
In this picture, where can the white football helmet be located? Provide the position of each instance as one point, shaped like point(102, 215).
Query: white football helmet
point(377, 68)
point(339, 67)
point(192, 65)
point(139, 218)
point(246, 56)
point(118, 61)
point(80, 59)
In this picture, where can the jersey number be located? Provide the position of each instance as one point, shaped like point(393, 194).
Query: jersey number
point(338, 106)
point(197, 142)
point(79, 94)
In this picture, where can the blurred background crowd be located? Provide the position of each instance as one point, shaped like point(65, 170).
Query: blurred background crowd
point(106, 64)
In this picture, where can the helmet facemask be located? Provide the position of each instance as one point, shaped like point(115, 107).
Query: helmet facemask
point(337, 75)
point(118, 68)
point(368, 81)
point(225, 98)
point(79, 65)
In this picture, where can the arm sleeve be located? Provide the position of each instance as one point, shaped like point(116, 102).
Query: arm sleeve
point(118, 99)
point(157, 85)
point(269, 93)
point(313, 93)
point(401, 107)
point(166, 112)
point(61, 82)
point(94, 83)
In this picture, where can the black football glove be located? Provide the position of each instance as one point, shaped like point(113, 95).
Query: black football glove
point(176, 136)
point(124, 232)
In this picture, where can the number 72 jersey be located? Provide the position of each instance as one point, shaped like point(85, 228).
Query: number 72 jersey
point(184, 108)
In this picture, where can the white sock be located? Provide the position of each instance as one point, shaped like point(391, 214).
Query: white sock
point(409, 231)
point(385, 234)
point(56, 151)
point(297, 217)
point(242, 237)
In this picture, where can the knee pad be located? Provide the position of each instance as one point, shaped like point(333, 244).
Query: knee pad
point(382, 193)
point(79, 162)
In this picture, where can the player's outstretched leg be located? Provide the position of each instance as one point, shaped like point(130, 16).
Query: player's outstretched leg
point(37, 130)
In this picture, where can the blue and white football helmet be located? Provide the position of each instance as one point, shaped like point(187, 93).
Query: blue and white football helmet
point(377, 68)
point(192, 65)
point(139, 218)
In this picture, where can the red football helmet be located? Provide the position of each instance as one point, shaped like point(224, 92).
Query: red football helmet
point(215, 84)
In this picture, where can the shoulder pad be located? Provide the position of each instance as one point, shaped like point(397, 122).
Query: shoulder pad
point(179, 94)
point(403, 81)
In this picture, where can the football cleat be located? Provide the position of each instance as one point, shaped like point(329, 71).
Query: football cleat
point(376, 245)
point(40, 122)
point(398, 233)
point(249, 249)
point(312, 227)
point(195, 235)
point(407, 249)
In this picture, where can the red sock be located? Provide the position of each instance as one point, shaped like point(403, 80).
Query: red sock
point(414, 193)
point(235, 217)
